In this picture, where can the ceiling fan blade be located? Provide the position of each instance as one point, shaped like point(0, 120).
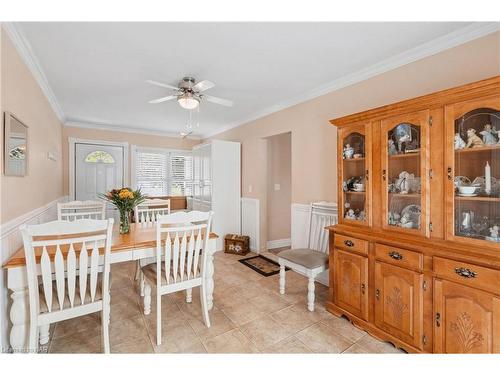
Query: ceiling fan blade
point(164, 99)
point(214, 99)
point(156, 83)
point(203, 85)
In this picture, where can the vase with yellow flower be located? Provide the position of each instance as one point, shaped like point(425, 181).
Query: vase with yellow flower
point(125, 200)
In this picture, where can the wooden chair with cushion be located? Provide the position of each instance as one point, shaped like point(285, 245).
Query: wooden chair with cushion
point(76, 210)
point(58, 291)
point(313, 260)
point(181, 243)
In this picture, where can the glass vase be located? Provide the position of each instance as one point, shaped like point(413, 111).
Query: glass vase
point(124, 221)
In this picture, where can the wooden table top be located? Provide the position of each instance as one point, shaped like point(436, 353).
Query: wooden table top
point(140, 236)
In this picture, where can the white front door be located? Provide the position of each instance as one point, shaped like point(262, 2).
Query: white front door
point(98, 169)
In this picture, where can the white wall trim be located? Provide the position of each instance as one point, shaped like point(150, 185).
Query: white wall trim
point(14, 224)
point(432, 47)
point(111, 126)
point(71, 160)
point(250, 221)
point(274, 244)
point(24, 49)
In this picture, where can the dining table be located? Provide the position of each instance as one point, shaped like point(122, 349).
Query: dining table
point(139, 243)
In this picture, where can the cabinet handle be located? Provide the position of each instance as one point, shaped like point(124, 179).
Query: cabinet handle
point(366, 175)
point(363, 288)
point(450, 174)
point(377, 294)
point(348, 243)
point(438, 320)
point(395, 255)
point(383, 174)
point(465, 272)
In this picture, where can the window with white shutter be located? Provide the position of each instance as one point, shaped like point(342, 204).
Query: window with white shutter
point(163, 172)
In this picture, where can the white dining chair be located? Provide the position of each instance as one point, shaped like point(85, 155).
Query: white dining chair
point(81, 210)
point(146, 213)
point(181, 255)
point(313, 260)
point(150, 209)
point(60, 249)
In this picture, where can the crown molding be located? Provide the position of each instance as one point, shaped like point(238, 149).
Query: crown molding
point(109, 126)
point(24, 49)
point(429, 48)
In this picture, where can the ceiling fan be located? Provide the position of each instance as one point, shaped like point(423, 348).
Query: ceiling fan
point(189, 94)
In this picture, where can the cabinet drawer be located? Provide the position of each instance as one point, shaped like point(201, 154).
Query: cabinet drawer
point(351, 243)
point(399, 257)
point(468, 274)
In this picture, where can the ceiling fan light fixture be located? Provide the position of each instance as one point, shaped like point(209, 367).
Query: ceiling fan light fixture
point(188, 101)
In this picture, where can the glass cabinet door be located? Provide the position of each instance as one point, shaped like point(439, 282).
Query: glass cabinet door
point(405, 173)
point(354, 182)
point(473, 167)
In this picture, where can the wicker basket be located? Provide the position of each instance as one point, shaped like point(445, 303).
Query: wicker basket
point(236, 244)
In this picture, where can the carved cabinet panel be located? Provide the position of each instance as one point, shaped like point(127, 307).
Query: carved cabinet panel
point(466, 320)
point(399, 302)
point(351, 283)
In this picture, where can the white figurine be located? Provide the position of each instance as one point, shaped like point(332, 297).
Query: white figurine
point(473, 140)
point(348, 151)
point(362, 216)
point(350, 214)
point(489, 135)
point(404, 182)
point(405, 221)
point(459, 142)
point(495, 231)
point(392, 148)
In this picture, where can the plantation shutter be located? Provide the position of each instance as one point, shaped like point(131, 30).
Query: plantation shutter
point(164, 173)
point(181, 174)
point(152, 173)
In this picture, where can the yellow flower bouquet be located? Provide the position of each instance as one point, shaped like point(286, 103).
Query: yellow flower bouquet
point(124, 199)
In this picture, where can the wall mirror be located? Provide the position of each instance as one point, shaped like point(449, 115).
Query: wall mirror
point(15, 146)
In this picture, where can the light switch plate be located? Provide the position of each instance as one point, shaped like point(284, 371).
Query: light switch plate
point(277, 187)
point(250, 188)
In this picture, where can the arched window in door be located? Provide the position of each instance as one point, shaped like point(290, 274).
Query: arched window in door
point(99, 157)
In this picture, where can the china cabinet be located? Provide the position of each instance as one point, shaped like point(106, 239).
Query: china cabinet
point(354, 175)
point(415, 257)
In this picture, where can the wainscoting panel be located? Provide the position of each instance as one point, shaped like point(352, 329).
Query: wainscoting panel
point(300, 227)
point(11, 240)
point(250, 221)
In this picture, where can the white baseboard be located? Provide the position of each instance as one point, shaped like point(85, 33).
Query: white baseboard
point(11, 241)
point(274, 244)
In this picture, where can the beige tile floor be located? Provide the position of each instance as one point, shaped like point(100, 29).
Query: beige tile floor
point(249, 316)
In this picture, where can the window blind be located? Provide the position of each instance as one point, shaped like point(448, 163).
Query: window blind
point(161, 173)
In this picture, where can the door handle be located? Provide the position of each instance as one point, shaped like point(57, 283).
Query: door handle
point(383, 174)
point(450, 174)
point(438, 319)
point(377, 294)
point(363, 287)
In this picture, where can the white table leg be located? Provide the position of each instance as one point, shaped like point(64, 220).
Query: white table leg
point(209, 280)
point(19, 317)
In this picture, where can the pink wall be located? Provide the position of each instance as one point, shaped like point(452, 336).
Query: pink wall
point(279, 171)
point(314, 139)
point(22, 96)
